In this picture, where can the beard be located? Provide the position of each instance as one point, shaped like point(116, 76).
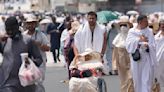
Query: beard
point(15, 36)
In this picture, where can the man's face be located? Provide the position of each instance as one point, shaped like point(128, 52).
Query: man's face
point(12, 30)
point(31, 25)
point(92, 20)
point(143, 23)
point(162, 26)
point(68, 25)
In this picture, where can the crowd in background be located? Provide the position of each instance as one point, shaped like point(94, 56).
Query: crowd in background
point(56, 34)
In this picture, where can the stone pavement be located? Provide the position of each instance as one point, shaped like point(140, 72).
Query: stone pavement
point(52, 75)
point(50, 61)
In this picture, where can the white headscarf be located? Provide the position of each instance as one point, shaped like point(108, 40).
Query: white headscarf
point(119, 40)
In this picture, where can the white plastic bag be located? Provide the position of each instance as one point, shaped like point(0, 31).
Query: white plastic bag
point(28, 73)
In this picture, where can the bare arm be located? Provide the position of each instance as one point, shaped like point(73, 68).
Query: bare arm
point(75, 50)
point(34, 53)
point(45, 47)
point(3, 40)
point(104, 44)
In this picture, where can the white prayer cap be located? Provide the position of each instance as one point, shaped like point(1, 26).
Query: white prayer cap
point(31, 18)
point(45, 21)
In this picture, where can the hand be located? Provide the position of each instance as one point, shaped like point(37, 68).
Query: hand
point(27, 61)
point(37, 43)
point(3, 37)
point(44, 47)
point(146, 45)
point(71, 32)
point(143, 38)
point(102, 61)
point(102, 55)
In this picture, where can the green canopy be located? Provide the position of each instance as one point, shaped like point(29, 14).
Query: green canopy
point(106, 16)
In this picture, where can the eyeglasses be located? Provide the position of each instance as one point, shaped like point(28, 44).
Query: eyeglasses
point(124, 25)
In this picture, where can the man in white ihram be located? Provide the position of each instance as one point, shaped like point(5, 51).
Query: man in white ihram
point(141, 37)
point(159, 38)
point(90, 35)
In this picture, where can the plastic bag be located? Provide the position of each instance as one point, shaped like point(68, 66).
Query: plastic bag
point(28, 73)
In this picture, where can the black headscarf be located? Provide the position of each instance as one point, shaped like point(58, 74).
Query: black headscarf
point(12, 27)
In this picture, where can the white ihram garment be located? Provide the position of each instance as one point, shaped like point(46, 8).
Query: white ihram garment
point(120, 39)
point(84, 35)
point(142, 70)
point(160, 58)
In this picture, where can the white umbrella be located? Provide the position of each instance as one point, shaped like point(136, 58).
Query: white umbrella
point(132, 12)
point(45, 21)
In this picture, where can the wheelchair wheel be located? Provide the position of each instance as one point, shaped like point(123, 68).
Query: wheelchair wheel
point(101, 85)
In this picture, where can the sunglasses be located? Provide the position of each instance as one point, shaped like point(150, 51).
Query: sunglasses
point(124, 25)
point(150, 26)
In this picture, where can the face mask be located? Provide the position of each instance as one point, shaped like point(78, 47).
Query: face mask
point(124, 29)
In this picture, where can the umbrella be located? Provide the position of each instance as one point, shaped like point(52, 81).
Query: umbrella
point(132, 12)
point(106, 16)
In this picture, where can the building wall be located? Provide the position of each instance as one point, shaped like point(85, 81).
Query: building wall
point(55, 3)
point(152, 6)
point(84, 7)
point(2, 8)
point(102, 5)
point(146, 6)
point(26, 5)
point(122, 5)
point(116, 5)
point(44, 5)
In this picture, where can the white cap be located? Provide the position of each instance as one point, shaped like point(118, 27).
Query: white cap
point(31, 18)
point(45, 21)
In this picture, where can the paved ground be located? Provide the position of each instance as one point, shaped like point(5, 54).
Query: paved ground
point(55, 74)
